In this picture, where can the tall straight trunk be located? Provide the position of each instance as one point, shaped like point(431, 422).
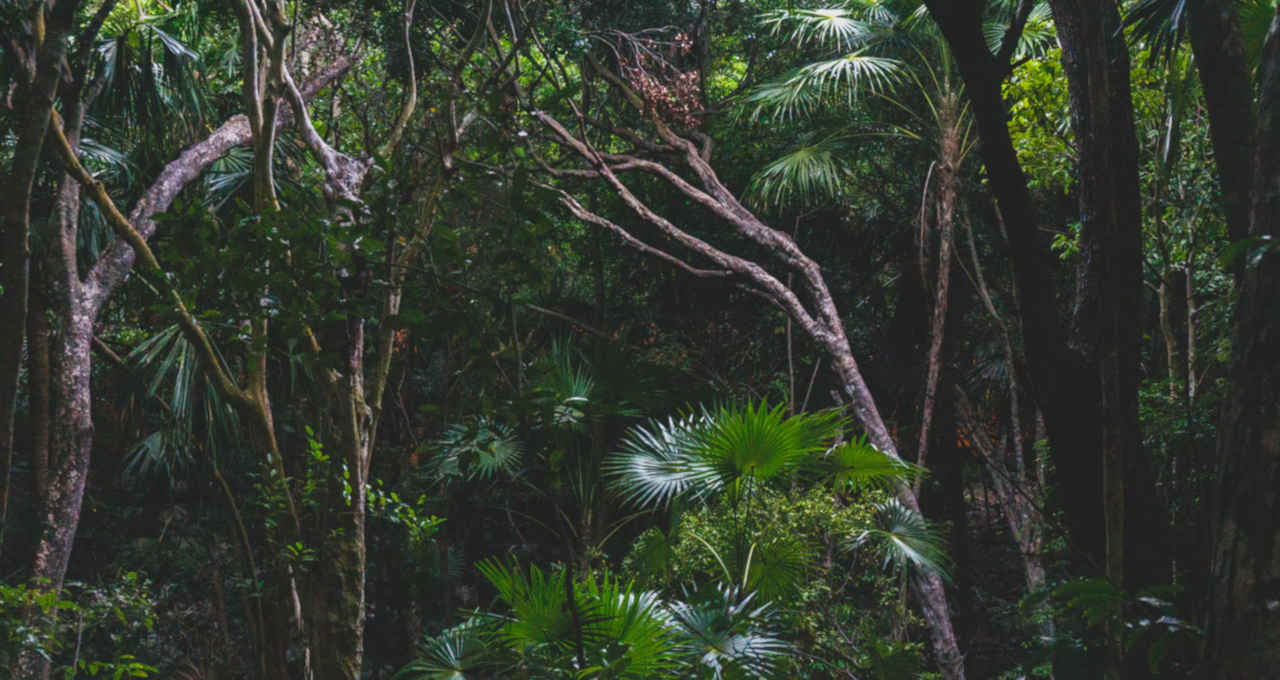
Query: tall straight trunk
point(36, 84)
point(1173, 358)
point(1059, 376)
point(1107, 320)
point(338, 600)
point(947, 169)
point(70, 444)
point(1220, 59)
point(39, 342)
point(1243, 627)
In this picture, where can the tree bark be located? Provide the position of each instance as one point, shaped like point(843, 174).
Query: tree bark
point(36, 84)
point(1243, 628)
point(1107, 324)
point(947, 169)
point(1224, 78)
point(1058, 376)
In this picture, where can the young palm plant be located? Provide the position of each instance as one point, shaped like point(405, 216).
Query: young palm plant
point(553, 625)
point(737, 452)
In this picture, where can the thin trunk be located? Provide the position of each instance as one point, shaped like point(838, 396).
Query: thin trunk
point(1170, 338)
point(947, 169)
point(1193, 324)
point(1059, 377)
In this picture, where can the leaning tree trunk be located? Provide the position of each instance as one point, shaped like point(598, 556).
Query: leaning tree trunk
point(927, 586)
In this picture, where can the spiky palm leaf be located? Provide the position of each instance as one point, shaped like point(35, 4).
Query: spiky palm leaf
point(458, 653)
point(725, 634)
point(634, 638)
point(857, 465)
point(1163, 24)
point(657, 464)
point(905, 538)
point(477, 449)
point(812, 171)
point(625, 632)
point(727, 448)
point(804, 89)
point(1038, 34)
point(563, 387)
point(172, 377)
point(540, 618)
point(826, 26)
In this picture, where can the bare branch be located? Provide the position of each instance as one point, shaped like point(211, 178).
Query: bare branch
point(113, 267)
point(126, 232)
point(411, 101)
point(587, 216)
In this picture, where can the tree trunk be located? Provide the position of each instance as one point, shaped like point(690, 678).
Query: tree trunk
point(1058, 376)
point(338, 614)
point(948, 169)
point(926, 586)
point(1243, 629)
point(37, 82)
point(70, 445)
point(1224, 79)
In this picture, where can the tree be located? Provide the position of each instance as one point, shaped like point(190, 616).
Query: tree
point(819, 319)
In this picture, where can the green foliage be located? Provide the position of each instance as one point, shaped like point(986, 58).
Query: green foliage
point(479, 448)
point(905, 539)
point(84, 631)
point(1147, 621)
point(729, 449)
point(555, 625)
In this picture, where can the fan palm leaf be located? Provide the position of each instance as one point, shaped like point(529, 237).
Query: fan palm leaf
point(857, 465)
point(458, 653)
point(727, 635)
point(905, 539)
point(477, 449)
point(722, 449)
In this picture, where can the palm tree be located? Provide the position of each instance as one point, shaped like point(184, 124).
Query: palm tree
point(892, 52)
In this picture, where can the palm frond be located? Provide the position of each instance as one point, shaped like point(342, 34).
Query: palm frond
point(172, 377)
point(835, 27)
point(480, 448)
point(634, 637)
point(857, 465)
point(807, 174)
point(801, 91)
point(656, 464)
point(758, 442)
point(906, 539)
point(458, 653)
point(726, 635)
point(1161, 24)
point(540, 615)
point(730, 448)
point(1037, 37)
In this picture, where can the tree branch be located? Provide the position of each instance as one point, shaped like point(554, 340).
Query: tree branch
point(113, 267)
point(126, 232)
